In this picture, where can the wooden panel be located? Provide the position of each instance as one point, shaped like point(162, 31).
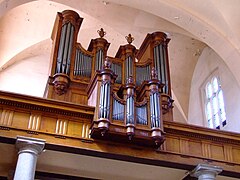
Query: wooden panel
point(48, 124)
point(75, 128)
point(195, 148)
point(146, 55)
point(78, 129)
point(79, 98)
point(228, 153)
point(172, 144)
point(236, 155)
point(184, 146)
point(20, 120)
point(217, 152)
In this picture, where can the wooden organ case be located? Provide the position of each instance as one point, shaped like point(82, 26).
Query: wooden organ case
point(131, 92)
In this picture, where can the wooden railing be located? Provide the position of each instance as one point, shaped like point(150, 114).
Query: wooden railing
point(68, 124)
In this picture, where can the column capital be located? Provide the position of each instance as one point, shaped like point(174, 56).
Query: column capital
point(31, 145)
point(206, 170)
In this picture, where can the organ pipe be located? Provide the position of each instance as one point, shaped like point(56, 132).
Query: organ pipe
point(65, 49)
point(155, 108)
point(142, 74)
point(118, 110)
point(117, 69)
point(130, 103)
point(129, 67)
point(141, 114)
point(83, 64)
point(105, 96)
point(160, 63)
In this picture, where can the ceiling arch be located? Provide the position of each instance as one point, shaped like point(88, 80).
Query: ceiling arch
point(221, 39)
point(201, 28)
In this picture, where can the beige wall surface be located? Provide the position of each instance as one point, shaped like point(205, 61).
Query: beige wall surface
point(210, 63)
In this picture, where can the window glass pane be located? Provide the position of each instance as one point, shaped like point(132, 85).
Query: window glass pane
point(215, 105)
point(216, 120)
point(223, 115)
point(221, 106)
point(215, 84)
point(209, 111)
point(209, 90)
point(210, 123)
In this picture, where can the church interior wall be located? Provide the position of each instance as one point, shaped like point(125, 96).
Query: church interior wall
point(209, 62)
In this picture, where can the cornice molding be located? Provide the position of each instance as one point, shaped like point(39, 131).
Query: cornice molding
point(46, 105)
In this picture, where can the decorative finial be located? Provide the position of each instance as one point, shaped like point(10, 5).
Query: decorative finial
point(130, 80)
point(129, 39)
point(154, 74)
point(107, 63)
point(101, 33)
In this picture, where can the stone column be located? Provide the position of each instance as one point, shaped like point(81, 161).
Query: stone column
point(206, 172)
point(28, 151)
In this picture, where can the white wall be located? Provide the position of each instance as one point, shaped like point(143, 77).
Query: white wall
point(28, 76)
point(209, 62)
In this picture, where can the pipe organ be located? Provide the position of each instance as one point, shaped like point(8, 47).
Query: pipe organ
point(117, 110)
point(131, 92)
point(83, 63)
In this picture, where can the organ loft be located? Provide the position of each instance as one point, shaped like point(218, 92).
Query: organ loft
point(131, 91)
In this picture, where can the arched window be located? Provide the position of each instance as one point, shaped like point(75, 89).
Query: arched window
point(214, 104)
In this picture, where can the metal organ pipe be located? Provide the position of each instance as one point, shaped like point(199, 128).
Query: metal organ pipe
point(101, 102)
point(65, 49)
point(130, 114)
point(117, 69)
point(70, 50)
point(160, 63)
point(165, 69)
point(141, 113)
point(83, 64)
point(60, 49)
point(104, 101)
point(119, 110)
point(152, 111)
point(65, 52)
point(99, 60)
point(142, 73)
point(155, 108)
point(129, 67)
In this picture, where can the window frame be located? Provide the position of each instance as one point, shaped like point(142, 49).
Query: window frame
point(219, 100)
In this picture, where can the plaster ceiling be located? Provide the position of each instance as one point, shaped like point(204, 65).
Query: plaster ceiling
point(25, 29)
